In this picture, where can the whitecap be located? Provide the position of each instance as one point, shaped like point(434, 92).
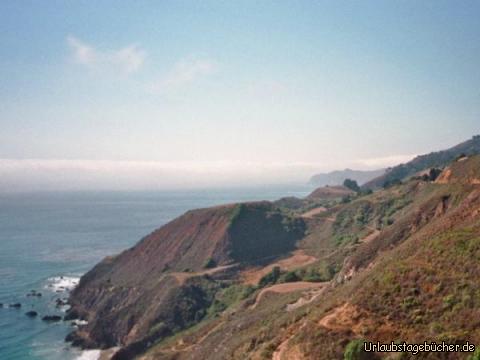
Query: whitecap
point(62, 283)
point(78, 322)
point(89, 355)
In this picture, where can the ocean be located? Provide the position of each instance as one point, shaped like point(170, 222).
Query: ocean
point(48, 240)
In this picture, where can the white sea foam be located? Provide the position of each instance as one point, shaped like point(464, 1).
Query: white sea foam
point(62, 283)
point(79, 322)
point(89, 355)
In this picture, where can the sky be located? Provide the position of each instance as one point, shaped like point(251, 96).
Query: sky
point(172, 94)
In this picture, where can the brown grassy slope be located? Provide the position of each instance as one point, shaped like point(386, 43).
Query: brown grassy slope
point(323, 232)
point(463, 171)
point(137, 296)
point(329, 192)
point(416, 281)
point(423, 284)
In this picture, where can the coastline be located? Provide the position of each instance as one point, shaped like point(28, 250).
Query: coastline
point(107, 353)
point(96, 354)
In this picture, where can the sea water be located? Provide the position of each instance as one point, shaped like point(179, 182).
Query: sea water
point(48, 240)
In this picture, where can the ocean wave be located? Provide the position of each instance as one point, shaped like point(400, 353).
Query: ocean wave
point(89, 355)
point(62, 283)
point(77, 322)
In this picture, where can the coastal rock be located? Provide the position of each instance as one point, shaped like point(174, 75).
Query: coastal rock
point(74, 314)
point(31, 314)
point(75, 339)
point(61, 302)
point(52, 318)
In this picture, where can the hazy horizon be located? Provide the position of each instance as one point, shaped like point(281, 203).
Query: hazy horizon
point(172, 95)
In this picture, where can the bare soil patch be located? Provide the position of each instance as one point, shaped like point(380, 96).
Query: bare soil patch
point(287, 288)
point(311, 213)
point(298, 259)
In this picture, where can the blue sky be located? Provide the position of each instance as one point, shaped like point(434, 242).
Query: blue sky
point(230, 92)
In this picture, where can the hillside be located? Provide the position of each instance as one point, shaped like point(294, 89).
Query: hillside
point(413, 278)
point(417, 281)
point(338, 177)
point(437, 159)
point(297, 278)
point(329, 192)
point(164, 282)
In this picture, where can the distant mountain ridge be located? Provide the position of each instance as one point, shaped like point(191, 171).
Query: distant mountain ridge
point(337, 177)
point(422, 162)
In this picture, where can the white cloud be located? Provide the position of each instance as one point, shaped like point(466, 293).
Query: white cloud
point(385, 161)
point(184, 73)
point(82, 52)
point(128, 59)
point(131, 58)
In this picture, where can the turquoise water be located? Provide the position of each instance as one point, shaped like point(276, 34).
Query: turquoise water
point(46, 236)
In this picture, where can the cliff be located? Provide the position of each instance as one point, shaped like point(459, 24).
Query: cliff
point(164, 283)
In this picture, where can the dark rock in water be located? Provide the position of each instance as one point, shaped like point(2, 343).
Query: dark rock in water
point(16, 305)
point(31, 314)
point(34, 293)
point(73, 338)
point(77, 340)
point(1, 305)
point(52, 318)
point(72, 314)
point(61, 302)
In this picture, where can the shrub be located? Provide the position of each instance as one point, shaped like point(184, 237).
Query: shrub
point(352, 185)
point(270, 278)
point(290, 276)
point(355, 351)
point(345, 239)
point(367, 192)
point(313, 275)
point(217, 307)
point(346, 199)
point(210, 263)
point(389, 183)
point(247, 291)
point(475, 356)
point(433, 174)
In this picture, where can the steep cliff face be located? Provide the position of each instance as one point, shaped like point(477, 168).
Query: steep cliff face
point(165, 282)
